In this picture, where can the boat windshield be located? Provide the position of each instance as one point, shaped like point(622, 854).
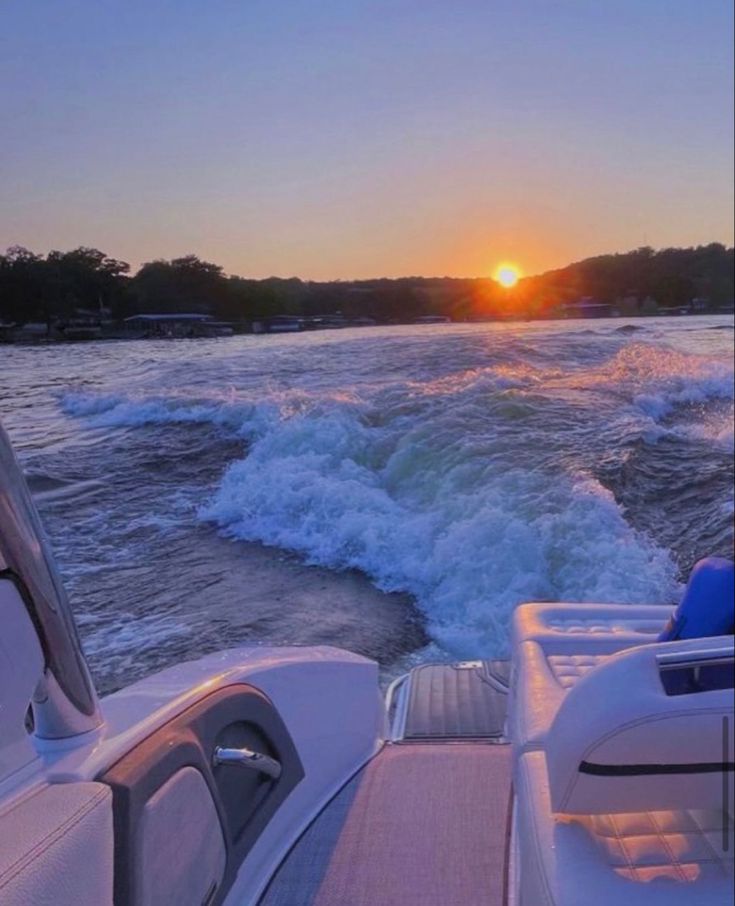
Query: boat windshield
point(25, 557)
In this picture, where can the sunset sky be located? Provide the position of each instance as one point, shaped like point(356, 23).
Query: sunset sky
point(344, 139)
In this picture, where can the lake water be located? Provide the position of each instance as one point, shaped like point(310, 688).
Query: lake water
point(396, 490)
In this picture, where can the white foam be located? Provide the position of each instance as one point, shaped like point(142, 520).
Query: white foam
point(424, 513)
point(123, 639)
point(664, 379)
point(119, 411)
point(446, 485)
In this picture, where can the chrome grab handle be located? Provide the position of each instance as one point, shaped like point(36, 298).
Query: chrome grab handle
point(246, 758)
point(707, 657)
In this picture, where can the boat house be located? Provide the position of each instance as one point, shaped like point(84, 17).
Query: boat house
point(587, 307)
point(177, 324)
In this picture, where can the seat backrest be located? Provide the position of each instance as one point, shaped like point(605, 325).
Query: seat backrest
point(56, 841)
point(21, 668)
point(623, 741)
point(56, 847)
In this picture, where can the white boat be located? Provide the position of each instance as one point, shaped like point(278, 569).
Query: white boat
point(593, 769)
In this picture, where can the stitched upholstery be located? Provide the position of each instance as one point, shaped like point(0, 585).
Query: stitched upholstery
point(538, 688)
point(535, 697)
point(21, 667)
point(585, 689)
point(596, 625)
point(56, 847)
point(588, 628)
point(569, 668)
point(674, 845)
point(619, 716)
point(663, 858)
point(555, 645)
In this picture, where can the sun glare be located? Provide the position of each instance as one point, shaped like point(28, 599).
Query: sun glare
point(507, 275)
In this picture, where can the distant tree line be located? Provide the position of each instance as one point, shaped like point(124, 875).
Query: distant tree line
point(61, 284)
point(669, 278)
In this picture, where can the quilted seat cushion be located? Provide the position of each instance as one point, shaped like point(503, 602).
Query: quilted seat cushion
point(555, 645)
point(567, 669)
point(588, 628)
point(538, 687)
point(673, 858)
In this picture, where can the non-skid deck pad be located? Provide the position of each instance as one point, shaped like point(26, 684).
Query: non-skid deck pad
point(457, 701)
point(421, 825)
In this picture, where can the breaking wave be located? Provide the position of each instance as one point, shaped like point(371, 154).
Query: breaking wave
point(471, 480)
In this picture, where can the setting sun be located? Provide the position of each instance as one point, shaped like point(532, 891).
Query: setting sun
point(507, 275)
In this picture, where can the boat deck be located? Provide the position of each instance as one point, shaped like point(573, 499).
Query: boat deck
point(421, 824)
point(466, 701)
point(426, 822)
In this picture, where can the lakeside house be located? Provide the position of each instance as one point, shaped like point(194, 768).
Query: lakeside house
point(432, 319)
point(80, 324)
point(297, 323)
point(278, 324)
point(177, 325)
point(586, 307)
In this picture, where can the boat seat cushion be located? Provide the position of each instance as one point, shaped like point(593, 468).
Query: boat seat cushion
point(588, 628)
point(555, 645)
point(568, 668)
point(620, 742)
point(56, 847)
point(21, 668)
point(540, 684)
point(658, 858)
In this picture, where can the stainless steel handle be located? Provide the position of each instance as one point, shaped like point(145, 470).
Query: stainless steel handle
point(707, 657)
point(246, 758)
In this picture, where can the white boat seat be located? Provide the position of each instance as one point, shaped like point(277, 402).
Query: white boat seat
point(555, 645)
point(539, 686)
point(657, 858)
point(624, 803)
point(588, 628)
point(620, 742)
point(568, 668)
point(56, 847)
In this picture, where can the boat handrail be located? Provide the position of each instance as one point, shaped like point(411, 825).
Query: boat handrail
point(704, 657)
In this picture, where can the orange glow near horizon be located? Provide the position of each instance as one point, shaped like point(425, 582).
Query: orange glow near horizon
point(507, 275)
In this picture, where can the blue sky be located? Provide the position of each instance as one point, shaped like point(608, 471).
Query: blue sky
point(356, 139)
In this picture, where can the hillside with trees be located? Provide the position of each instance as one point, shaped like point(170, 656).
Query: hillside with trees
point(60, 285)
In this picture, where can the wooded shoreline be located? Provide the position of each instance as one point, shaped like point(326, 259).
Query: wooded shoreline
point(86, 294)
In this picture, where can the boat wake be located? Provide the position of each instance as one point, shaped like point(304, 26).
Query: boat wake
point(471, 488)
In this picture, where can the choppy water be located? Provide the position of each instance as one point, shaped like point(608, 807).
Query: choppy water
point(461, 468)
